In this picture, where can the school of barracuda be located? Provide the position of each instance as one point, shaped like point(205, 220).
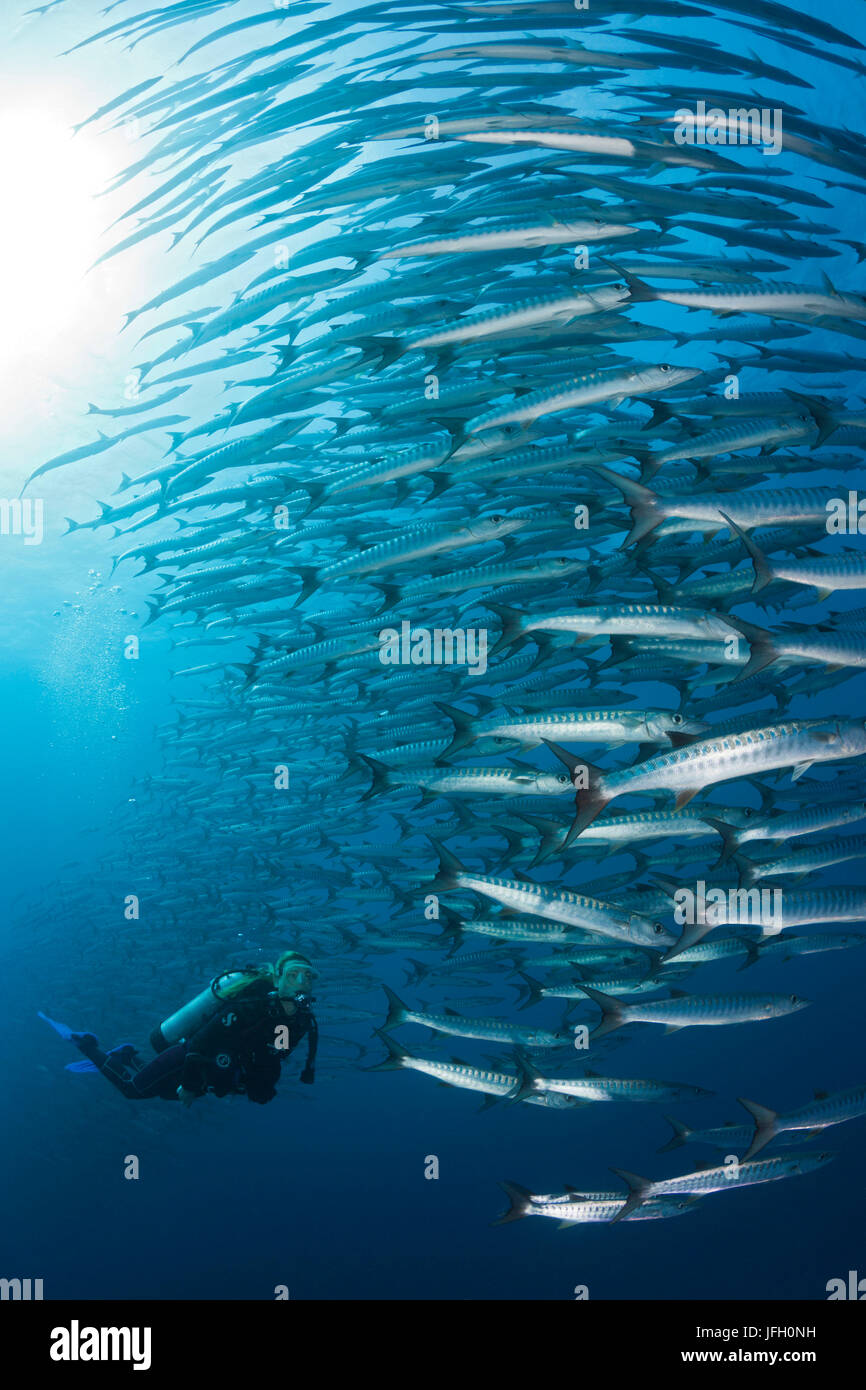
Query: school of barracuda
point(480, 377)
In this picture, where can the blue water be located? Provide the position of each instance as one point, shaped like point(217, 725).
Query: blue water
point(324, 1190)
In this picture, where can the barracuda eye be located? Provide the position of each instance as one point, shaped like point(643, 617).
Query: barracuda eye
point(658, 928)
point(665, 367)
point(794, 999)
point(676, 719)
point(748, 812)
point(563, 780)
point(496, 520)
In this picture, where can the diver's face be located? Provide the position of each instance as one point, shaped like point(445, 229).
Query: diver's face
point(295, 979)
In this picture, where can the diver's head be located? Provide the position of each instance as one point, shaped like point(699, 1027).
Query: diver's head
point(293, 974)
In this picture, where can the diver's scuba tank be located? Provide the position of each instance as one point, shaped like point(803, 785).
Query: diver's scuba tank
point(199, 1010)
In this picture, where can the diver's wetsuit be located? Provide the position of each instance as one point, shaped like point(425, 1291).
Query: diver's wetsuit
point(233, 1053)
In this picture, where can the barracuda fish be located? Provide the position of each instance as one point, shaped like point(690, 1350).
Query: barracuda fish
point(782, 828)
point(795, 943)
point(570, 909)
point(781, 301)
point(554, 310)
point(614, 621)
point(803, 907)
point(493, 1085)
point(592, 1087)
point(467, 781)
point(826, 646)
point(627, 987)
point(820, 1114)
point(751, 509)
point(602, 147)
point(584, 392)
point(719, 1179)
point(489, 1029)
point(733, 439)
point(514, 238)
point(826, 573)
point(629, 830)
point(581, 726)
point(575, 1208)
point(799, 743)
point(527, 929)
point(692, 1010)
point(420, 542)
point(728, 1137)
point(805, 861)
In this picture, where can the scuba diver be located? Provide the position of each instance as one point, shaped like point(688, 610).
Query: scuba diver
point(228, 1040)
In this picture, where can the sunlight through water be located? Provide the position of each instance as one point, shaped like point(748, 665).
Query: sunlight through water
point(49, 232)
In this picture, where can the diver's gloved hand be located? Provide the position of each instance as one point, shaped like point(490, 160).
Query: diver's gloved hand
point(186, 1097)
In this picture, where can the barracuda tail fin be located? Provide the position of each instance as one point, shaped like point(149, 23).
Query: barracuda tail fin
point(396, 1054)
point(397, 1010)
point(763, 574)
point(550, 835)
point(753, 953)
point(730, 839)
point(820, 411)
point(418, 971)
point(527, 1076)
point(642, 502)
point(613, 1011)
point(309, 577)
point(531, 988)
point(588, 782)
point(681, 1133)
point(520, 1201)
point(379, 773)
point(463, 732)
point(766, 1127)
point(749, 871)
point(449, 868)
point(638, 1191)
point(512, 629)
point(639, 290)
point(762, 649)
